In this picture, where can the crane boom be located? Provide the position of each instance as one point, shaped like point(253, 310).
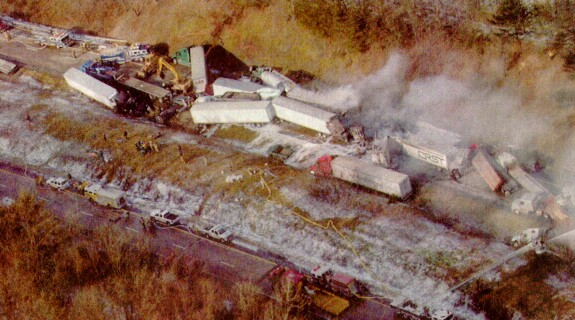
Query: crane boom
point(162, 63)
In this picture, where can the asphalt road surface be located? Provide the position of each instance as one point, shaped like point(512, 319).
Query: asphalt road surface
point(222, 261)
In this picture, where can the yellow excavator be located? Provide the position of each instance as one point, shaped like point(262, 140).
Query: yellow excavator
point(150, 65)
point(155, 63)
point(178, 84)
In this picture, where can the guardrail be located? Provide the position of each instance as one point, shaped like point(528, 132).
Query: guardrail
point(36, 28)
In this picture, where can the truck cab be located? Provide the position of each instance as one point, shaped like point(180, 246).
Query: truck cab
point(336, 281)
point(97, 70)
point(58, 39)
point(410, 310)
point(529, 203)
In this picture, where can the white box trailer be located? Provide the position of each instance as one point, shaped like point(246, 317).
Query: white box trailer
point(223, 85)
point(371, 176)
point(91, 87)
point(435, 146)
point(232, 112)
point(427, 155)
point(513, 168)
point(199, 74)
point(526, 180)
point(303, 114)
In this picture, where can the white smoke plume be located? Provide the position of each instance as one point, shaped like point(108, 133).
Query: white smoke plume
point(482, 106)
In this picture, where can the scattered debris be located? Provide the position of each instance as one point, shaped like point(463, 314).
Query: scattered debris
point(234, 178)
point(280, 152)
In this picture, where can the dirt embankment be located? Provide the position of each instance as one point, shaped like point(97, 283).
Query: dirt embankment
point(336, 41)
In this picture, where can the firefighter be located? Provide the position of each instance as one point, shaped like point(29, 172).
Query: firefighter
point(181, 154)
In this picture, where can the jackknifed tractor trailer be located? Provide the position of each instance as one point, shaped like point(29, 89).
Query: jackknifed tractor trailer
point(365, 174)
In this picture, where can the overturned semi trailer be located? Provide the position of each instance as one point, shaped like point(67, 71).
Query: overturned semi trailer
point(213, 112)
point(223, 85)
point(495, 176)
point(307, 115)
point(91, 87)
point(371, 176)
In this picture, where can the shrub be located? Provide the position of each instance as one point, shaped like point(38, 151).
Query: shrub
point(511, 13)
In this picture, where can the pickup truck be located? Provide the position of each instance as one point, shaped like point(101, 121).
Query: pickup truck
point(58, 183)
point(166, 217)
point(218, 233)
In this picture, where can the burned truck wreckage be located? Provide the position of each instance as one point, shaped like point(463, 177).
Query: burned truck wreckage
point(226, 91)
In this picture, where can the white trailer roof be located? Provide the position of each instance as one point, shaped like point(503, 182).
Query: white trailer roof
point(232, 112)
point(370, 169)
point(301, 107)
point(91, 87)
point(427, 135)
point(153, 90)
point(198, 63)
point(6, 66)
point(302, 113)
point(437, 143)
point(223, 85)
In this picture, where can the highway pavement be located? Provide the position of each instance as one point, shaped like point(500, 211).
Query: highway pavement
point(225, 262)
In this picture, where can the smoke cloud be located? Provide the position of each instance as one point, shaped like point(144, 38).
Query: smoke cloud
point(483, 105)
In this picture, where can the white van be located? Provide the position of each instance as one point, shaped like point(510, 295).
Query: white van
point(58, 183)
